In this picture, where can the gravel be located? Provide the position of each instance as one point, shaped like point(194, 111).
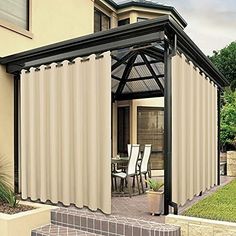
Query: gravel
point(5, 208)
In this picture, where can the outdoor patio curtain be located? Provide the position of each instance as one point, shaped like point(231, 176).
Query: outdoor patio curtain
point(65, 132)
point(194, 131)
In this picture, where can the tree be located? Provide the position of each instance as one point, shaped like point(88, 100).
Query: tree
point(225, 61)
point(228, 121)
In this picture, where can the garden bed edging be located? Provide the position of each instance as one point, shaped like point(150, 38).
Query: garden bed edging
point(22, 223)
point(193, 226)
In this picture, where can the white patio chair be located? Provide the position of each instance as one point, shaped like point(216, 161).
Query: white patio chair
point(129, 149)
point(131, 169)
point(143, 168)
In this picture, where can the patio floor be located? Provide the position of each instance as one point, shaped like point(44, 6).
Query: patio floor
point(136, 207)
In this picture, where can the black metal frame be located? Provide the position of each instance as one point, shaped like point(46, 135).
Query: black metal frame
point(16, 133)
point(168, 131)
point(218, 136)
point(163, 29)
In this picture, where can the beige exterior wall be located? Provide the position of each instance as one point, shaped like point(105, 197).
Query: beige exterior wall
point(52, 21)
point(134, 12)
point(191, 226)
point(6, 118)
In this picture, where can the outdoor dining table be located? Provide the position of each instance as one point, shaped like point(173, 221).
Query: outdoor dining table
point(119, 160)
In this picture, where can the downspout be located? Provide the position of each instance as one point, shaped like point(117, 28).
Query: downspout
point(168, 128)
point(16, 132)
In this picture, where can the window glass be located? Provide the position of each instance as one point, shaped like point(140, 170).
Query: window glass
point(15, 12)
point(140, 19)
point(101, 21)
point(123, 134)
point(124, 22)
point(151, 131)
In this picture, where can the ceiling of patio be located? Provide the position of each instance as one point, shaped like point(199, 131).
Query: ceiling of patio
point(138, 73)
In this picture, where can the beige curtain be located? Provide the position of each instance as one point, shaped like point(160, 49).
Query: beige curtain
point(65, 132)
point(194, 131)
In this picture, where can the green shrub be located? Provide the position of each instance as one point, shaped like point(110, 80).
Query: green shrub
point(7, 194)
point(154, 185)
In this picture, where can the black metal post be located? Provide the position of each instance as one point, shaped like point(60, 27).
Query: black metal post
point(16, 133)
point(168, 131)
point(218, 136)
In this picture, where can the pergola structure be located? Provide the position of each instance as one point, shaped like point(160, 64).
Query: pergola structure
point(142, 67)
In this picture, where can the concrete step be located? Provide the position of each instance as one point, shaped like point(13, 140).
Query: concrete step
point(58, 230)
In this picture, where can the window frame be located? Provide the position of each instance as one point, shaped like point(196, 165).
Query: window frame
point(17, 29)
point(124, 20)
point(155, 108)
point(142, 19)
point(101, 13)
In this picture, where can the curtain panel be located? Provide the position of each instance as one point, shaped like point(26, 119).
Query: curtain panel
point(194, 131)
point(65, 132)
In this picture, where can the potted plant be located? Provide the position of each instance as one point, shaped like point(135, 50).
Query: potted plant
point(155, 196)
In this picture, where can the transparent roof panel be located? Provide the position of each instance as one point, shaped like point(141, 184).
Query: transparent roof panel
point(138, 70)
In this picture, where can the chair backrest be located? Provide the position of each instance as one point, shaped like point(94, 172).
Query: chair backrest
point(146, 156)
point(132, 166)
point(129, 149)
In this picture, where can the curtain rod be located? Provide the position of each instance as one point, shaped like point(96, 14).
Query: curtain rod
point(59, 64)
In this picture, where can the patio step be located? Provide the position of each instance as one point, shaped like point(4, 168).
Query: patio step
point(58, 230)
point(112, 225)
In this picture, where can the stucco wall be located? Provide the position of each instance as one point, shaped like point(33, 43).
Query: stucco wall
point(191, 226)
point(6, 119)
point(52, 21)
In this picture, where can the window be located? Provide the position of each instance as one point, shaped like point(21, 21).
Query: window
point(151, 131)
point(140, 19)
point(15, 12)
point(123, 134)
point(124, 22)
point(101, 21)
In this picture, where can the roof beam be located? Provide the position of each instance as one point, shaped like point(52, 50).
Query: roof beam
point(122, 60)
point(138, 95)
point(138, 78)
point(125, 75)
point(139, 63)
point(152, 72)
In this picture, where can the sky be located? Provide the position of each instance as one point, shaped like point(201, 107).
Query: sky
point(211, 23)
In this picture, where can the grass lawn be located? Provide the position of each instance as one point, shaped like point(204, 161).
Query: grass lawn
point(221, 205)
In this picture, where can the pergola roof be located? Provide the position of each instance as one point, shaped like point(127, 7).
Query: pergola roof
point(137, 72)
point(142, 34)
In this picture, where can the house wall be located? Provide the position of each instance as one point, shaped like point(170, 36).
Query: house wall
point(136, 12)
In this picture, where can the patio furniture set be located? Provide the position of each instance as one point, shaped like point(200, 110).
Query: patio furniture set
point(135, 166)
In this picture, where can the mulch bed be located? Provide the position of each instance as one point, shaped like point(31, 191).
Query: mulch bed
point(5, 208)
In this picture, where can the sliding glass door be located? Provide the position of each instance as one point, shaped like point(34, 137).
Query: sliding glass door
point(150, 130)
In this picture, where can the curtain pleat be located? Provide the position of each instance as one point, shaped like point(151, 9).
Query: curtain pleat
point(194, 131)
point(65, 132)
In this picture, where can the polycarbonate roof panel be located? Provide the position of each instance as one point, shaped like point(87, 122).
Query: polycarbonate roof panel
point(137, 72)
point(114, 85)
point(158, 68)
point(136, 86)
